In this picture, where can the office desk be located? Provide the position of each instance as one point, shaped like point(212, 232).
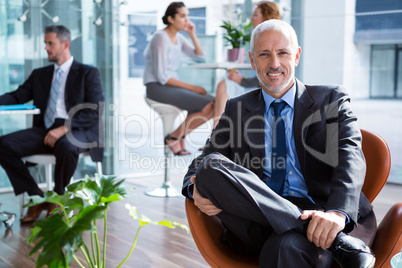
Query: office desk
point(222, 65)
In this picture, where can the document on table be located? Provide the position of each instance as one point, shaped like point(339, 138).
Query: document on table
point(17, 107)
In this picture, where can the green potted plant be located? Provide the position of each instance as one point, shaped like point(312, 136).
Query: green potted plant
point(237, 35)
point(60, 236)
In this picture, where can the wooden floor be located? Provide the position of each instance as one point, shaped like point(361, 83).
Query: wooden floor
point(157, 246)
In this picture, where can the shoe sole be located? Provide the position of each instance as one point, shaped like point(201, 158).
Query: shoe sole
point(371, 265)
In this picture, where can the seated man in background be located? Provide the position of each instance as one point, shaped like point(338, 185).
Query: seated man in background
point(68, 95)
point(284, 168)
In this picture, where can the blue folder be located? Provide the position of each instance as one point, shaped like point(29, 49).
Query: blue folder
point(17, 107)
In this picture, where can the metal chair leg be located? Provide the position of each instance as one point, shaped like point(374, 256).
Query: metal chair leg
point(168, 114)
point(166, 189)
point(9, 220)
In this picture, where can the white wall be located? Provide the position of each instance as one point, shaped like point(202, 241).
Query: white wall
point(329, 55)
point(356, 59)
point(323, 48)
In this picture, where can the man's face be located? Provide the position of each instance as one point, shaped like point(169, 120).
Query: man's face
point(54, 47)
point(275, 60)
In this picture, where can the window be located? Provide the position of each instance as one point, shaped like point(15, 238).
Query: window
point(140, 30)
point(378, 22)
point(399, 74)
point(386, 71)
point(22, 50)
point(197, 16)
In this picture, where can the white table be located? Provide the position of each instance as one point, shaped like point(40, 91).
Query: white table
point(25, 111)
point(220, 68)
point(222, 65)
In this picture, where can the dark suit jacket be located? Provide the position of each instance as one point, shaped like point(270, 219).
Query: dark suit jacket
point(327, 140)
point(83, 85)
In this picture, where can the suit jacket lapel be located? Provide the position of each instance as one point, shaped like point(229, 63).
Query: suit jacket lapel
point(301, 119)
point(69, 89)
point(253, 121)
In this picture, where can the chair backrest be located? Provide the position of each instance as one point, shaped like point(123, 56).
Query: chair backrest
point(207, 231)
point(378, 163)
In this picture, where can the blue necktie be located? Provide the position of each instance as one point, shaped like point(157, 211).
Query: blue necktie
point(51, 104)
point(278, 157)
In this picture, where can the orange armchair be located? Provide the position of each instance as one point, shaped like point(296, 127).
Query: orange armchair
point(207, 231)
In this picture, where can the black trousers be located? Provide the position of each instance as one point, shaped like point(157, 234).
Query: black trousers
point(258, 220)
point(31, 141)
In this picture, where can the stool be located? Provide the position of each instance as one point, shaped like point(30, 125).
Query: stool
point(48, 160)
point(168, 114)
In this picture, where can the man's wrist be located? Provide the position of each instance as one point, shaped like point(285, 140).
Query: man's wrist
point(340, 214)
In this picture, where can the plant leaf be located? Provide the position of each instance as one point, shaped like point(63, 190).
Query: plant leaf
point(110, 198)
point(99, 190)
point(51, 241)
point(56, 236)
point(144, 220)
point(239, 34)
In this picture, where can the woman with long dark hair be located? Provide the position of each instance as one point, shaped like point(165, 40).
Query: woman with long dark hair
point(161, 79)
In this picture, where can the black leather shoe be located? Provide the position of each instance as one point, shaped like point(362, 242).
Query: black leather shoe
point(351, 252)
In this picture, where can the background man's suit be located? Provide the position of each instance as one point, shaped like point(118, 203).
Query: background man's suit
point(330, 187)
point(83, 85)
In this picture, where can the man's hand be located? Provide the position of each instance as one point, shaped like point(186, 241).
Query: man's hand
point(54, 135)
point(202, 203)
point(323, 226)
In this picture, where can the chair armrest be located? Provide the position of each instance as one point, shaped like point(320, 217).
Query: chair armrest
point(388, 240)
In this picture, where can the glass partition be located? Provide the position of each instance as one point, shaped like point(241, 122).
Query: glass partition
point(12, 56)
point(140, 29)
point(93, 31)
point(383, 72)
point(399, 74)
point(202, 77)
